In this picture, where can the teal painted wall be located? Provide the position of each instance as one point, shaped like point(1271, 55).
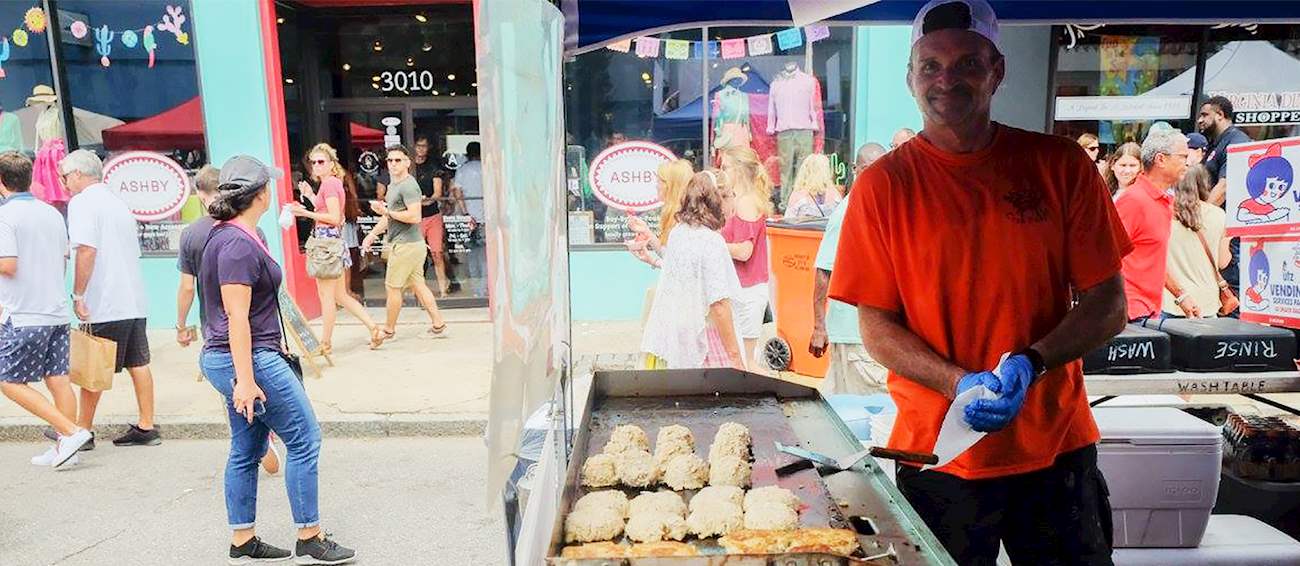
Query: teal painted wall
point(883, 103)
point(608, 284)
point(228, 45)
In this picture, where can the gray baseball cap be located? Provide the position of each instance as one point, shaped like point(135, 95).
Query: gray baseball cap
point(247, 172)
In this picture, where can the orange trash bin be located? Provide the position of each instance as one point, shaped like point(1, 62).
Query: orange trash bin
point(792, 251)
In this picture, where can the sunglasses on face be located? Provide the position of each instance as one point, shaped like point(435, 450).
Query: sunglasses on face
point(319, 161)
point(396, 159)
point(1093, 148)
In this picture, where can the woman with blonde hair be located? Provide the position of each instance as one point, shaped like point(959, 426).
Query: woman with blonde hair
point(327, 253)
point(1123, 167)
point(815, 193)
point(673, 178)
point(691, 324)
point(746, 236)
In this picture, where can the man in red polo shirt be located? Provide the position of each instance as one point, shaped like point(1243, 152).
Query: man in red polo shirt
point(966, 243)
point(1147, 210)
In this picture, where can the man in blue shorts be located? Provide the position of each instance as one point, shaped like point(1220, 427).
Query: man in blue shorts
point(34, 324)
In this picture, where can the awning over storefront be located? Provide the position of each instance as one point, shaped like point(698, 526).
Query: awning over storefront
point(180, 127)
point(593, 23)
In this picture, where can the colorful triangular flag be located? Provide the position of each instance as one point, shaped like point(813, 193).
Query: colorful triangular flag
point(620, 46)
point(817, 32)
point(788, 39)
point(733, 48)
point(677, 49)
point(647, 47)
point(760, 44)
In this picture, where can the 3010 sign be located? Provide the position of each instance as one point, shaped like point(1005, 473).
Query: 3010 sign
point(406, 82)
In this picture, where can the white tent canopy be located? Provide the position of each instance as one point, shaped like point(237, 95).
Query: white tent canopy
point(1241, 66)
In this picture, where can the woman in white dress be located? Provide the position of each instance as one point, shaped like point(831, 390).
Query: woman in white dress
point(691, 322)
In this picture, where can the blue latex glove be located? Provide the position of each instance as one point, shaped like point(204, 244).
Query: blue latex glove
point(987, 379)
point(1017, 373)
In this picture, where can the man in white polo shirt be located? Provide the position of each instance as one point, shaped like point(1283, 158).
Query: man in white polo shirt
point(108, 289)
point(34, 324)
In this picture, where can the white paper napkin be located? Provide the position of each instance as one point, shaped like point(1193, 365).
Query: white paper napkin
point(955, 435)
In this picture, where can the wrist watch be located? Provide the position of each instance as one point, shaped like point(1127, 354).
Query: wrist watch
point(1035, 360)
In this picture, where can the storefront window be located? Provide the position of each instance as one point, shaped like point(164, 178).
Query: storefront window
point(29, 110)
point(397, 55)
point(1258, 69)
point(133, 85)
point(711, 93)
point(1116, 81)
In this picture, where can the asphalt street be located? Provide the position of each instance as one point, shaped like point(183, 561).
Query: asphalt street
point(396, 501)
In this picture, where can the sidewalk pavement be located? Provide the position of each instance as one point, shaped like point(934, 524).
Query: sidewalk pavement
point(413, 385)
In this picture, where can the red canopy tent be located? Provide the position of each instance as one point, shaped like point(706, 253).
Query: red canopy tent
point(178, 128)
point(182, 128)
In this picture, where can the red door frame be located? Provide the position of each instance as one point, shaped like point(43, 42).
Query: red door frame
point(301, 287)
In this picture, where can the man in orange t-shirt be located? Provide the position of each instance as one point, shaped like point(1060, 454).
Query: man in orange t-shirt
point(968, 242)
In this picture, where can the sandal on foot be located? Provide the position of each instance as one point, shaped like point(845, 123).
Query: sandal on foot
point(376, 338)
point(438, 331)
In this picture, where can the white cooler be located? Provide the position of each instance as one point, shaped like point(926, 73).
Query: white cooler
point(1230, 540)
point(1162, 467)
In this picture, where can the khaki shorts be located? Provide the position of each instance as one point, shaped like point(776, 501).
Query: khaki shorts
point(852, 371)
point(406, 264)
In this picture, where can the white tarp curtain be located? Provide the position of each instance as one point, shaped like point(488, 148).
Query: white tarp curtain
point(518, 49)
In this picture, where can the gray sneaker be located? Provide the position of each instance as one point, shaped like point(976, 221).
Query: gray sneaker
point(322, 550)
point(256, 552)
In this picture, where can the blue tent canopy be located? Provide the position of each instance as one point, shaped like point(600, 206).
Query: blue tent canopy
point(593, 23)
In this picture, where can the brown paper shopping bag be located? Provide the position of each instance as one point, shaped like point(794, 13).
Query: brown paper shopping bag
point(91, 361)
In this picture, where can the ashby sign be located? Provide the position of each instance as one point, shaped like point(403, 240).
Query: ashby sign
point(152, 185)
point(626, 176)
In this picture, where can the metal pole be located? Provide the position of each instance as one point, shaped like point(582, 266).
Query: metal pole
point(58, 71)
point(705, 104)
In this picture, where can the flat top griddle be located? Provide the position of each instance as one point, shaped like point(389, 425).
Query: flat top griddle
point(773, 410)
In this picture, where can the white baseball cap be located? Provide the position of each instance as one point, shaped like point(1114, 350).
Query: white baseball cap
point(970, 15)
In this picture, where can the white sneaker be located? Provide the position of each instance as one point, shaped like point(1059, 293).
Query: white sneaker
point(69, 445)
point(47, 459)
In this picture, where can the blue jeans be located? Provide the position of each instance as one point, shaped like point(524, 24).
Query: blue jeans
point(289, 414)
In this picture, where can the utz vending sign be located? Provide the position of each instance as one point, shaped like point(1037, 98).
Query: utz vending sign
point(626, 176)
point(1270, 280)
point(1262, 195)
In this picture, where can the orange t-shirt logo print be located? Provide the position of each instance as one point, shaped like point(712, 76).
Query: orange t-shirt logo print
point(1027, 204)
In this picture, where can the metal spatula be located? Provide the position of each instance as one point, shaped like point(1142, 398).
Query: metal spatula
point(850, 460)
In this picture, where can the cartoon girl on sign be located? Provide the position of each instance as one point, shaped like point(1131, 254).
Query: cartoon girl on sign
point(1255, 299)
point(1269, 180)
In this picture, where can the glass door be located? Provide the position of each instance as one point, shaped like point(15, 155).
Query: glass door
point(439, 133)
point(445, 138)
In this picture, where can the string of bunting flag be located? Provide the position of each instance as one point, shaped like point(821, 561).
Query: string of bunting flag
point(763, 44)
point(35, 21)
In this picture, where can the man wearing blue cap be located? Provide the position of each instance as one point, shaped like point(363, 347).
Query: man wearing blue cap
point(967, 243)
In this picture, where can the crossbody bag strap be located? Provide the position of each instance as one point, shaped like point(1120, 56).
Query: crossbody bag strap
point(1218, 277)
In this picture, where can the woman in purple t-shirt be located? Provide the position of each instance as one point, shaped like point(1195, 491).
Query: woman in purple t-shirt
point(242, 359)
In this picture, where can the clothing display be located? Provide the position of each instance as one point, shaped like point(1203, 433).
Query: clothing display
point(791, 104)
point(792, 146)
point(11, 132)
point(730, 118)
point(47, 185)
